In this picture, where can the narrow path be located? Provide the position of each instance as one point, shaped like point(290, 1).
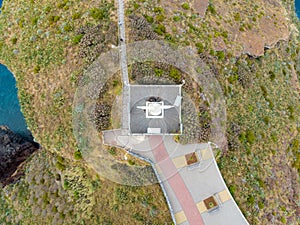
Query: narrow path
point(123, 64)
point(175, 180)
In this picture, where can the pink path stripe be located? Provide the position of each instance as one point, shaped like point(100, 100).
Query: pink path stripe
point(175, 180)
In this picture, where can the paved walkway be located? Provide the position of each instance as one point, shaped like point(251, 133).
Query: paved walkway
point(124, 68)
point(181, 191)
point(186, 188)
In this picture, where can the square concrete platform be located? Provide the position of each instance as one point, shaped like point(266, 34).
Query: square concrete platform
point(155, 109)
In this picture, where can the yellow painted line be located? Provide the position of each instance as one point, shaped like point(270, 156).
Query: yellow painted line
point(205, 154)
point(179, 162)
point(201, 207)
point(224, 196)
point(180, 217)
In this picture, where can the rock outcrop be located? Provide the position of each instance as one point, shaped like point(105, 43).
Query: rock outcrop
point(14, 150)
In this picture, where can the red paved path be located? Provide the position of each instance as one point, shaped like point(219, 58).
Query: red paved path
point(176, 182)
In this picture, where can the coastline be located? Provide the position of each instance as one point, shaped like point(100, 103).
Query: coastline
point(11, 114)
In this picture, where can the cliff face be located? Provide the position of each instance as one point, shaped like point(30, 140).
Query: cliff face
point(14, 150)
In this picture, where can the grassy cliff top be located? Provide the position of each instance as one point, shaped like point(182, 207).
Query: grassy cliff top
point(48, 45)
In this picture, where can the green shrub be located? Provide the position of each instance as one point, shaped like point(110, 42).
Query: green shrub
point(242, 137)
point(53, 19)
point(266, 120)
point(66, 185)
point(260, 205)
point(233, 78)
point(68, 27)
point(211, 9)
point(60, 166)
point(115, 83)
point(296, 163)
point(62, 215)
point(34, 21)
point(14, 40)
point(112, 151)
point(131, 162)
point(77, 39)
point(283, 220)
point(264, 91)
point(186, 43)
point(232, 189)
point(96, 13)
point(160, 29)
point(200, 47)
point(62, 4)
point(57, 177)
point(136, 6)
point(225, 34)
point(295, 145)
point(149, 18)
point(122, 195)
point(175, 74)
point(45, 198)
point(237, 16)
point(176, 18)
point(250, 137)
point(138, 217)
point(185, 6)
point(47, 9)
point(76, 195)
point(169, 38)
point(251, 200)
point(54, 209)
point(158, 72)
point(76, 16)
point(271, 104)
point(272, 75)
point(77, 155)
point(242, 28)
point(291, 112)
point(220, 55)
point(99, 14)
point(159, 10)
point(36, 69)
point(160, 18)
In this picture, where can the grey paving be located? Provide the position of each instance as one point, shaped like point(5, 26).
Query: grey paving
point(227, 214)
point(124, 68)
point(203, 180)
point(199, 181)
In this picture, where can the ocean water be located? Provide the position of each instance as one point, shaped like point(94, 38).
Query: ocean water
point(297, 6)
point(10, 111)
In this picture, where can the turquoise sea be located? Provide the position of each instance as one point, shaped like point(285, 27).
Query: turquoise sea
point(297, 6)
point(10, 112)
